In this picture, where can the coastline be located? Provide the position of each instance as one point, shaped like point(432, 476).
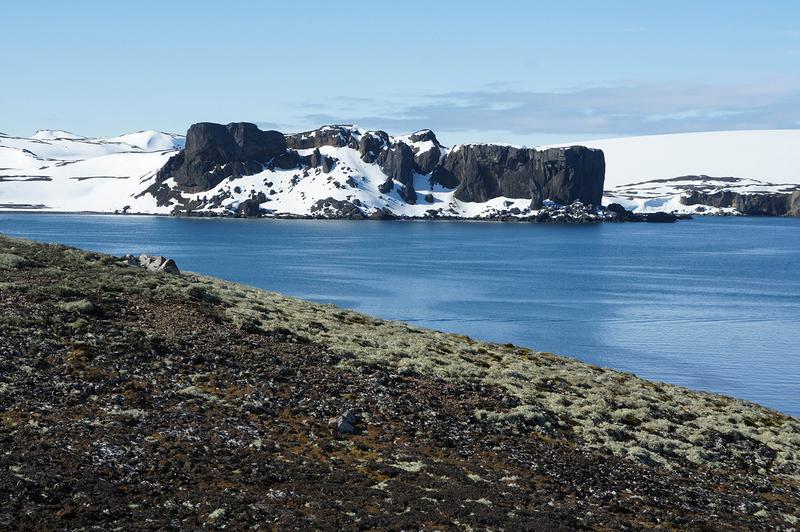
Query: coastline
point(519, 396)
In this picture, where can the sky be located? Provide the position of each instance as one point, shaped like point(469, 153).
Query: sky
point(521, 72)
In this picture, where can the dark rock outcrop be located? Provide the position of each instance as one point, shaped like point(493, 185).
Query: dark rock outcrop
point(333, 208)
point(382, 214)
point(386, 186)
point(485, 171)
point(153, 263)
point(215, 152)
point(336, 136)
point(426, 161)
point(397, 163)
point(750, 204)
point(372, 144)
point(317, 159)
point(660, 217)
point(251, 208)
point(624, 215)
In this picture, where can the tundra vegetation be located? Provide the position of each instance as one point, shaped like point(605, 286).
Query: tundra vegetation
point(139, 398)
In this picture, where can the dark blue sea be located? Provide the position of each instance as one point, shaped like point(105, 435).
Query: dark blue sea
point(712, 303)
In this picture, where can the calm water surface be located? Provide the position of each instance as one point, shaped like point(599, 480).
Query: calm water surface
point(712, 303)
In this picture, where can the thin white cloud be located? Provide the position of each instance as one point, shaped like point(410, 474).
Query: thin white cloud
point(620, 110)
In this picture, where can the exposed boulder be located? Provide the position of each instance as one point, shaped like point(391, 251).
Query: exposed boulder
point(153, 263)
point(485, 171)
point(750, 204)
point(386, 186)
point(251, 208)
point(343, 424)
point(215, 152)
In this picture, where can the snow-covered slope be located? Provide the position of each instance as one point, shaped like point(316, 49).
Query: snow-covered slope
point(766, 155)
point(61, 171)
point(652, 173)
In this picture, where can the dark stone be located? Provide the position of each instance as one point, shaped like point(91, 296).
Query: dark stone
point(618, 209)
point(623, 214)
point(287, 160)
point(566, 175)
point(382, 214)
point(426, 162)
point(251, 208)
point(372, 144)
point(215, 152)
point(317, 159)
point(660, 217)
point(397, 163)
point(429, 198)
point(386, 186)
point(333, 208)
point(486, 171)
point(444, 176)
point(750, 204)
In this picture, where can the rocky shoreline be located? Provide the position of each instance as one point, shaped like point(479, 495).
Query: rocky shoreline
point(144, 399)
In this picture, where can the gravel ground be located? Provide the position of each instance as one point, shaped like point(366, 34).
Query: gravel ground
point(131, 399)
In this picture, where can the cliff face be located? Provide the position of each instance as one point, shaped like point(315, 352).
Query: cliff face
point(750, 204)
point(471, 173)
point(485, 171)
point(215, 152)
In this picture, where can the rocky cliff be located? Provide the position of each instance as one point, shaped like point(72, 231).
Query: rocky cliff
point(215, 152)
point(787, 204)
point(369, 172)
point(481, 172)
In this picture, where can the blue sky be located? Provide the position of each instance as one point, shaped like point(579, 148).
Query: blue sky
point(506, 71)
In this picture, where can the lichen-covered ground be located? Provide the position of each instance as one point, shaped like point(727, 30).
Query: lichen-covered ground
point(143, 400)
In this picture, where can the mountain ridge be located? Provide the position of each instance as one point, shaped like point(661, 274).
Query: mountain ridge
point(348, 171)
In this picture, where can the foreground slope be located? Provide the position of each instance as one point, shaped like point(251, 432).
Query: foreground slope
point(137, 399)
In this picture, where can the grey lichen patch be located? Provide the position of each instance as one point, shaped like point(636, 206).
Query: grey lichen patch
point(411, 467)
point(616, 412)
point(12, 261)
point(82, 306)
point(607, 410)
point(194, 391)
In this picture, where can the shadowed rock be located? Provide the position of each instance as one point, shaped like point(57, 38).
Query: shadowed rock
point(750, 204)
point(215, 152)
point(485, 171)
point(397, 163)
